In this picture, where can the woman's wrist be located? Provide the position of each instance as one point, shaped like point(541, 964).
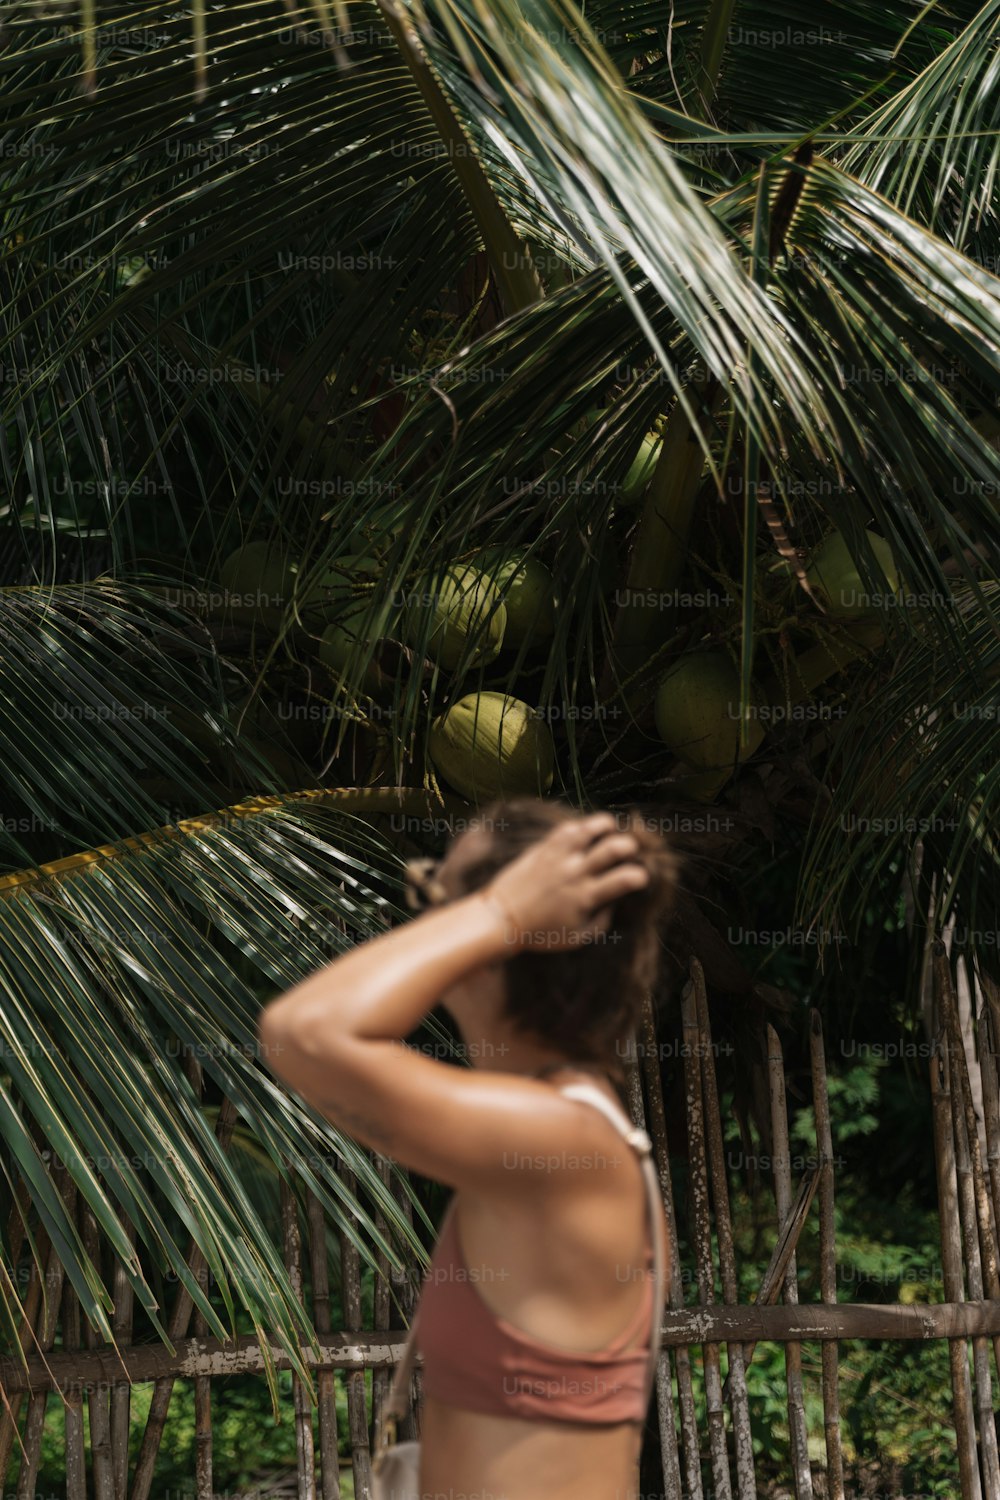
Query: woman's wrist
point(509, 928)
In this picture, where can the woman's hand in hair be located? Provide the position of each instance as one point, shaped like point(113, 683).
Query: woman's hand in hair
point(559, 893)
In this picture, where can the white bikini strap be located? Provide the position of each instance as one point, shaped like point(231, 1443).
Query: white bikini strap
point(641, 1143)
point(634, 1134)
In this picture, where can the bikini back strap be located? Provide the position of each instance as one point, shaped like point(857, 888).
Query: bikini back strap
point(643, 1146)
point(633, 1134)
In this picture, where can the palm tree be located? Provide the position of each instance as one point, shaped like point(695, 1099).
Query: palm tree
point(419, 281)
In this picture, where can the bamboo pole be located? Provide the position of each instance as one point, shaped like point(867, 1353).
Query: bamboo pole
point(736, 1379)
point(177, 1328)
point(666, 1418)
point(716, 1323)
point(326, 1379)
point(121, 1392)
point(827, 1256)
point(788, 1237)
point(703, 1239)
point(380, 1309)
point(408, 1427)
point(204, 1483)
point(783, 1194)
point(967, 1214)
point(987, 1244)
point(29, 1307)
point(951, 1268)
point(76, 1459)
point(97, 1396)
point(305, 1462)
point(357, 1416)
point(34, 1422)
point(991, 1095)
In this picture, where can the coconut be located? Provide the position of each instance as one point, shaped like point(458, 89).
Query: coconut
point(339, 643)
point(525, 586)
point(697, 712)
point(258, 580)
point(490, 745)
point(640, 472)
point(464, 604)
point(833, 575)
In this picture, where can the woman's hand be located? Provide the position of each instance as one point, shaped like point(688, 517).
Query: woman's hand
point(558, 893)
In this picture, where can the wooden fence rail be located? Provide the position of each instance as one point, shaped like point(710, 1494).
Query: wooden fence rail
point(718, 1462)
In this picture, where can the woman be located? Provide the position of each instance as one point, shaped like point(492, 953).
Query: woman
point(539, 940)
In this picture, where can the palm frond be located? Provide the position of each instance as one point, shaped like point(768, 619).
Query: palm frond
point(114, 958)
point(935, 146)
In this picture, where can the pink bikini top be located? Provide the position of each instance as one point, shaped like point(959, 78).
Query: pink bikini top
point(476, 1360)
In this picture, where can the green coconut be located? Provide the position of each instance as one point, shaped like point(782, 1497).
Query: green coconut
point(641, 470)
point(525, 586)
point(697, 712)
point(489, 745)
point(257, 579)
point(464, 604)
point(338, 645)
point(833, 575)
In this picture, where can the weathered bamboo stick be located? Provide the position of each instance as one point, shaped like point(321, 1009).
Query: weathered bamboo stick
point(203, 1468)
point(30, 1306)
point(177, 1328)
point(97, 1396)
point(970, 1228)
point(703, 1238)
point(716, 1323)
point(380, 1308)
point(408, 1428)
point(657, 1125)
point(784, 1248)
point(633, 1088)
point(951, 1268)
point(305, 1461)
point(827, 1256)
point(783, 1196)
point(121, 1391)
point(34, 1422)
point(736, 1379)
point(357, 1416)
point(326, 1380)
point(987, 1244)
point(789, 1232)
point(991, 1093)
point(76, 1459)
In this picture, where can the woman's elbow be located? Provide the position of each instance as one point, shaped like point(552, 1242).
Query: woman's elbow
point(273, 1036)
point(287, 1040)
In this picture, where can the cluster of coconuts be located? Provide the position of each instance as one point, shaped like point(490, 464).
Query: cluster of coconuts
point(486, 744)
point(491, 744)
point(697, 701)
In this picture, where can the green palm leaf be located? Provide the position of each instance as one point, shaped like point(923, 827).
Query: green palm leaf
point(117, 956)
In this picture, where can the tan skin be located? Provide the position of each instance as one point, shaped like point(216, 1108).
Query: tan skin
point(558, 1251)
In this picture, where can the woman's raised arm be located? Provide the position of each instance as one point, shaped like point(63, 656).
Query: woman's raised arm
point(337, 1036)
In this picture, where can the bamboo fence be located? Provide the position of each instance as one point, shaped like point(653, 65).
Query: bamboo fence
point(716, 1463)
